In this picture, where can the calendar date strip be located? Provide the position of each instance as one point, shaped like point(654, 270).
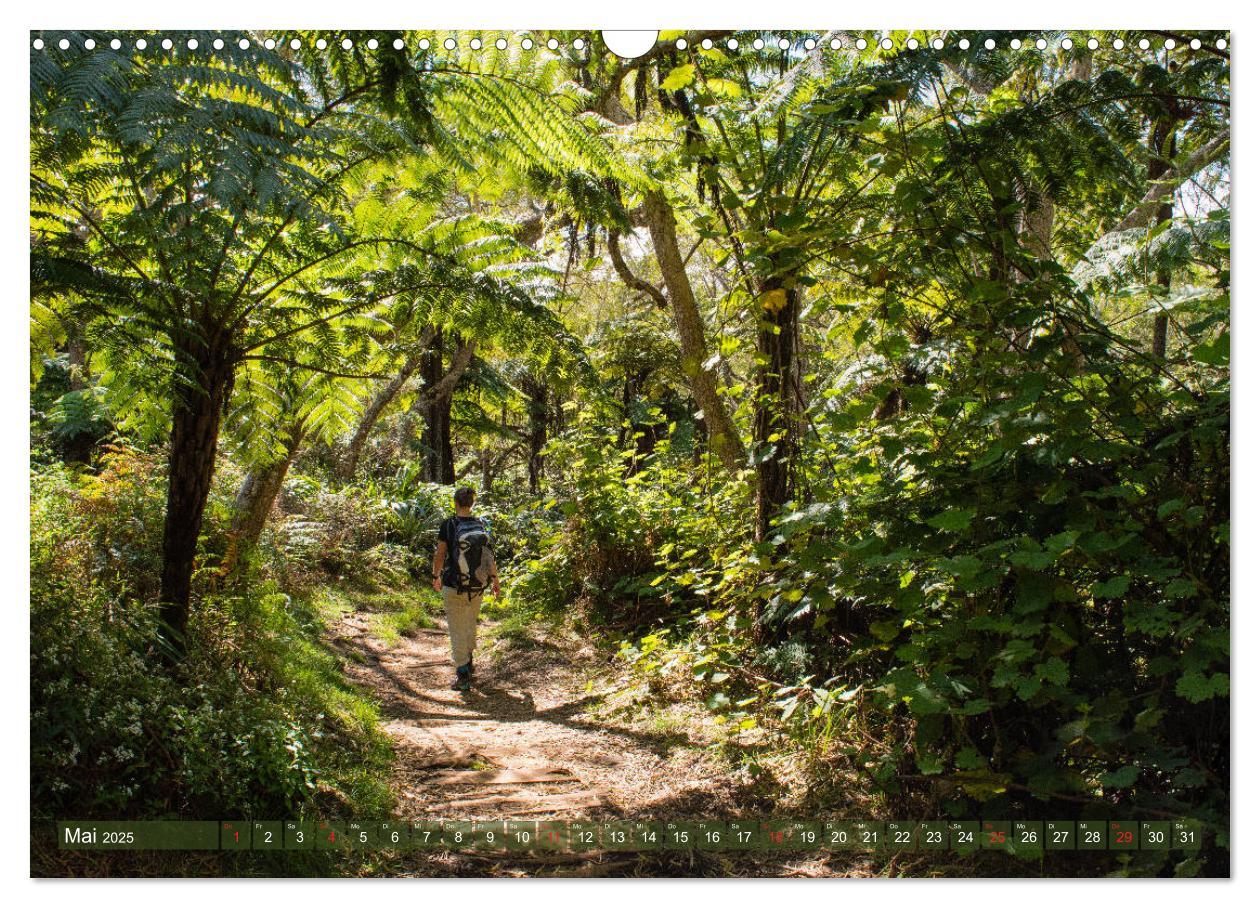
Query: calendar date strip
point(1018, 837)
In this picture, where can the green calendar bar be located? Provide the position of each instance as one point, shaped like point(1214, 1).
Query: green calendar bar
point(715, 836)
point(1027, 839)
point(791, 835)
point(458, 835)
point(330, 836)
point(426, 835)
point(995, 835)
point(617, 835)
point(1060, 835)
point(1187, 835)
point(744, 834)
point(1091, 835)
point(299, 835)
point(138, 835)
point(1123, 835)
point(360, 836)
point(680, 836)
point(648, 837)
point(869, 835)
point(1156, 836)
point(390, 834)
point(235, 835)
point(520, 835)
point(933, 835)
point(964, 836)
point(553, 835)
point(584, 836)
point(267, 835)
point(899, 835)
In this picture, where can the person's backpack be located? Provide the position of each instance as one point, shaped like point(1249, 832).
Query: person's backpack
point(474, 559)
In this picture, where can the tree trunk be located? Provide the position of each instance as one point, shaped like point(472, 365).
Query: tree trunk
point(202, 387)
point(775, 434)
point(256, 497)
point(372, 414)
point(487, 471)
point(631, 430)
point(78, 448)
point(723, 436)
point(537, 391)
point(77, 360)
point(435, 410)
point(1163, 150)
point(433, 406)
point(437, 438)
point(440, 440)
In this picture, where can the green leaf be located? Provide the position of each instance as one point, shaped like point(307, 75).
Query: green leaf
point(926, 702)
point(1054, 670)
point(1110, 589)
point(1124, 777)
point(1197, 687)
point(1214, 354)
point(929, 764)
point(1033, 593)
point(679, 77)
point(962, 565)
point(1169, 507)
point(1181, 588)
point(887, 631)
point(1034, 560)
point(969, 758)
point(952, 520)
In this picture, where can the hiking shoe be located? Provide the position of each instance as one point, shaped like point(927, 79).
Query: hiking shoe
point(463, 678)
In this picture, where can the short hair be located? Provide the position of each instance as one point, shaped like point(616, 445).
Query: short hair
point(464, 496)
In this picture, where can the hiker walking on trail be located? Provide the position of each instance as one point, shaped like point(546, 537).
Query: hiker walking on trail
point(463, 566)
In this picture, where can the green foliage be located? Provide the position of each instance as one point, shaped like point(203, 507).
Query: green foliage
point(260, 722)
point(343, 533)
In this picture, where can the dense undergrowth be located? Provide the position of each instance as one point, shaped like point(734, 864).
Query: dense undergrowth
point(977, 615)
point(258, 721)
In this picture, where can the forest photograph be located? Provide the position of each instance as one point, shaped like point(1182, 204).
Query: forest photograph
point(442, 439)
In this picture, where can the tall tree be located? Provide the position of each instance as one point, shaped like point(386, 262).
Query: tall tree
point(213, 186)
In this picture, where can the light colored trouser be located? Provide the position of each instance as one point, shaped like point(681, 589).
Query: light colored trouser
point(461, 621)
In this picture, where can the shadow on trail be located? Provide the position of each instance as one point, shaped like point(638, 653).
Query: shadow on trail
point(493, 700)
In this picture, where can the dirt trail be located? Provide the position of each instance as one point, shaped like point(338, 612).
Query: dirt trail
point(521, 742)
point(526, 743)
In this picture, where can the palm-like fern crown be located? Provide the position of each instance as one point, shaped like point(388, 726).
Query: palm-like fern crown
point(287, 207)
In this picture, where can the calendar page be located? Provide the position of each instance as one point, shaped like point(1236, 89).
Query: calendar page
point(668, 453)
